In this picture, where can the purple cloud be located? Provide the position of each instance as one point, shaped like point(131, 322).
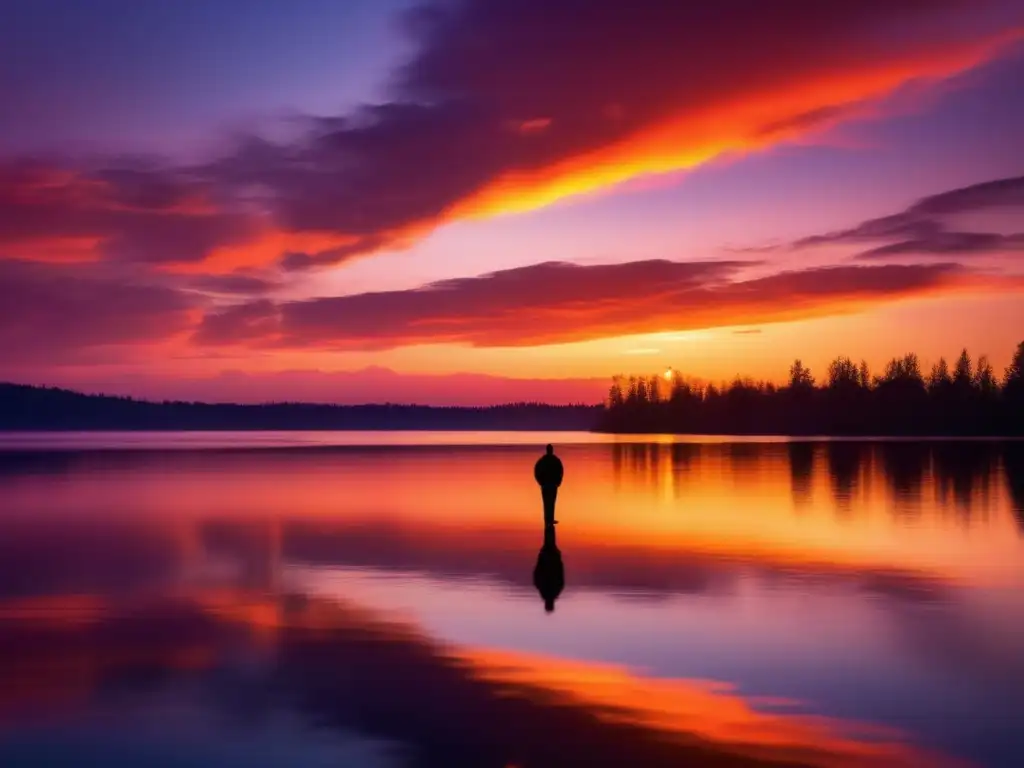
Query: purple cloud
point(921, 229)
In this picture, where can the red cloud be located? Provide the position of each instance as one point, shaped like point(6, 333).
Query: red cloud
point(508, 106)
point(133, 215)
point(555, 302)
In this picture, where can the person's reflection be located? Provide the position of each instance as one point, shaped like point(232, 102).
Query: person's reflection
point(549, 573)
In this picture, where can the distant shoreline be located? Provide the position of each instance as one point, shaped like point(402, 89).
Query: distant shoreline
point(31, 409)
point(25, 408)
point(4, 430)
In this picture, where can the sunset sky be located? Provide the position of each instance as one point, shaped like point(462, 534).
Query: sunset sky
point(476, 201)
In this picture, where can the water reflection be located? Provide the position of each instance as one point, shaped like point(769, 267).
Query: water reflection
point(854, 603)
point(845, 463)
point(549, 573)
point(801, 465)
point(1013, 465)
point(346, 667)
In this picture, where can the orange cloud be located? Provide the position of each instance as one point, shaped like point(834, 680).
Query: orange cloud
point(749, 122)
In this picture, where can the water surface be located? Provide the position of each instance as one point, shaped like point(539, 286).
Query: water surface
point(368, 599)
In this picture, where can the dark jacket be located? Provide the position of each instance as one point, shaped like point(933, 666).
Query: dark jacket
point(548, 471)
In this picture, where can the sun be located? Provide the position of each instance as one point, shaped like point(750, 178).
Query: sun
point(669, 374)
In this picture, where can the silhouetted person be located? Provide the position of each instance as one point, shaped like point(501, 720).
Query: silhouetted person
point(548, 473)
point(549, 574)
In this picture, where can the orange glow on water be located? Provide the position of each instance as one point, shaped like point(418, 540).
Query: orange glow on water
point(693, 710)
point(344, 558)
point(706, 716)
point(714, 500)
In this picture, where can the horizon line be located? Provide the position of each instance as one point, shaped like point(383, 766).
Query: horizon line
point(385, 404)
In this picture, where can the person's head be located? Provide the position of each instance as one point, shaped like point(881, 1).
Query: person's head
point(550, 449)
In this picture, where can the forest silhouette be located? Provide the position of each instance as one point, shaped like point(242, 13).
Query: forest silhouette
point(968, 400)
point(24, 407)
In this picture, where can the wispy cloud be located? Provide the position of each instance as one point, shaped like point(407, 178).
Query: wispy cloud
point(923, 229)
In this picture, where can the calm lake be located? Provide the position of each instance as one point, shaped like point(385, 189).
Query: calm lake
point(368, 599)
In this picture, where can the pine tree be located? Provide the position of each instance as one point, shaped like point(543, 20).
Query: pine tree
point(962, 374)
point(939, 377)
point(799, 376)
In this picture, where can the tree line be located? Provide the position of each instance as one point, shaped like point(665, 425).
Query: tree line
point(968, 399)
point(24, 407)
